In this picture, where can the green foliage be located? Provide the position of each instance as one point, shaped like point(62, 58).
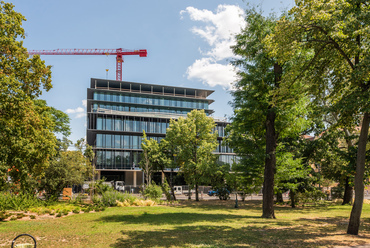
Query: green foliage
point(337, 193)
point(21, 201)
point(27, 140)
point(332, 39)
point(260, 105)
point(153, 192)
point(67, 169)
point(192, 140)
point(100, 187)
point(110, 198)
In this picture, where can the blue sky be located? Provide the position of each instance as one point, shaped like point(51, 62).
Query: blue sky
point(187, 42)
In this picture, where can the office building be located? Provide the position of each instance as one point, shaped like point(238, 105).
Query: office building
point(119, 111)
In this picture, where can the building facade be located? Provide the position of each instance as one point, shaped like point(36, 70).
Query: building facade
point(119, 111)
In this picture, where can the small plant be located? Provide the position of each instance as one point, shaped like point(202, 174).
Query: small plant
point(32, 217)
point(76, 210)
point(59, 214)
point(13, 218)
point(20, 215)
point(153, 192)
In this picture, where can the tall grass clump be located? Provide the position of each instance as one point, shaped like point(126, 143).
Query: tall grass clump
point(19, 202)
point(110, 198)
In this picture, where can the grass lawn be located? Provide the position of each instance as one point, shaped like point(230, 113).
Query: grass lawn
point(191, 224)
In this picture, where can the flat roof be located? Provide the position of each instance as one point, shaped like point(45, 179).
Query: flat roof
point(96, 82)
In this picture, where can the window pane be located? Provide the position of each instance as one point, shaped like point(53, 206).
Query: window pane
point(99, 123)
point(118, 125)
point(108, 141)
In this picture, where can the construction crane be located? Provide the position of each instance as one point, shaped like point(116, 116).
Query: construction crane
point(120, 52)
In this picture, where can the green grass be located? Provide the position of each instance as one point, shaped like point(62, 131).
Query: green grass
point(190, 224)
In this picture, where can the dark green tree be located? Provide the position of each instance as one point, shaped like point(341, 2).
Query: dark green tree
point(333, 39)
point(262, 117)
point(26, 133)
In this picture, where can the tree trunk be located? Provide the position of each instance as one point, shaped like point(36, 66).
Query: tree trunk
point(279, 197)
point(189, 195)
point(171, 186)
point(354, 221)
point(196, 192)
point(348, 193)
point(270, 163)
point(292, 198)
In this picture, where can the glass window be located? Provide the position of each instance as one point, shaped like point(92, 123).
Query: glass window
point(118, 125)
point(135, 142)
point(108, 161)
point(126, 159)
point(99, 140)
point(126, 142)
point(128, 125)
point(108, 124)
point(163, 129)
point(117, 141)
point(108, 141)
point(118, 160)
point(99, 123)
point(136, 159)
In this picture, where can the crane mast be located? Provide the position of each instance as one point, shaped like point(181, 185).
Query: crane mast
point(119, 52)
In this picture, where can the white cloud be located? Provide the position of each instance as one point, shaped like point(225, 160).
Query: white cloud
point(219, 30)
point(212, 73)
point(73, 111)
point(79, 111)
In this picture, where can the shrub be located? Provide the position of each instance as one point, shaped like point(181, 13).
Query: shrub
point(110, 198)
point(32, 217)
point(337, 193)
point(153, 192)
point(19, 202)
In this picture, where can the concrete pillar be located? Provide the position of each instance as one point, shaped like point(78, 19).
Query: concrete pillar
point(134, 178)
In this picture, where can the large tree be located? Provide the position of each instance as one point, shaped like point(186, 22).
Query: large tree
point(26, 132)
point(334, 35)
point(194, 142)
point(262, 119)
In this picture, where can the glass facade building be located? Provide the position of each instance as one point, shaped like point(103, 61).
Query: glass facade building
point(119, 111)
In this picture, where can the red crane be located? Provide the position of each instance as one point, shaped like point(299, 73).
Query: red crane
point(119, 52)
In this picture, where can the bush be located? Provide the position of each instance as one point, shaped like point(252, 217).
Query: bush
point(312, 196)
point(110, 198)
point(19, 202)
point(337, 193)
point(153, 192)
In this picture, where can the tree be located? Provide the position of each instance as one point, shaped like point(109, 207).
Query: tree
point(26, 132)
point(260, 122)
point(67, 169)
point(150, 152)
point(333, 39)
point(194, 141)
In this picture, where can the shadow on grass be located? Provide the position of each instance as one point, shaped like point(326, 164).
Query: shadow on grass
point(226, 236)
point(175, 218)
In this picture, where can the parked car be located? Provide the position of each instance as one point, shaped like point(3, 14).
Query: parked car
point(223, 194)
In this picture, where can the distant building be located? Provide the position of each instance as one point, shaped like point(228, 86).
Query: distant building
point(119, 111)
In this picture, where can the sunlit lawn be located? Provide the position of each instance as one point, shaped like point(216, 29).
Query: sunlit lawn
point(190, 224)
